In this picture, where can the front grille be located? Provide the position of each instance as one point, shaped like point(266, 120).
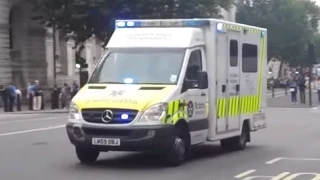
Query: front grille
point(94, 115)
point(109, 132)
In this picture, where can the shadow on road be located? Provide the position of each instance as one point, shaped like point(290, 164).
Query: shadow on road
point(150, 161)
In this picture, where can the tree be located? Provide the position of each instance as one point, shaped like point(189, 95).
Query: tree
point(291, 25)
point(84, 18)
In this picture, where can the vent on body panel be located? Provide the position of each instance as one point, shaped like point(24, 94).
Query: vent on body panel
point(97, 87)
point(151, 88)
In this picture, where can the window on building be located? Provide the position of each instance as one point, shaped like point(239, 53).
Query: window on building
point(233, 53)
point(249, 58)
point(194, 65)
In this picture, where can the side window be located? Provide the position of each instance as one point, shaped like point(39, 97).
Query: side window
point(194, 65)
point(249, 58)
point(233, 53)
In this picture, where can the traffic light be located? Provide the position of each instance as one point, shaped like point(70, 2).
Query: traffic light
point(81, 63)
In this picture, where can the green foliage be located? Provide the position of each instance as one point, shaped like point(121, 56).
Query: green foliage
point(87, 17)
point(291, 25)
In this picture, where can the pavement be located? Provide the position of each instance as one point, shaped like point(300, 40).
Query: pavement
point(35, 147)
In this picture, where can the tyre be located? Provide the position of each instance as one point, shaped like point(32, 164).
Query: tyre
point(179, 148)
point(87, 155)
point(237, 143)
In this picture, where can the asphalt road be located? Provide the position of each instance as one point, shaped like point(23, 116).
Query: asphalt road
point(35, 147)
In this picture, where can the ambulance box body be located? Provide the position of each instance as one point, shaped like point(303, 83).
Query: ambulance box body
point(165, 85)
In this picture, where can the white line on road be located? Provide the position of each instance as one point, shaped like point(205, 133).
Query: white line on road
point(293, 159)
point(32, 130)
point(244, 174)
point(274, 160)
point(27, 121)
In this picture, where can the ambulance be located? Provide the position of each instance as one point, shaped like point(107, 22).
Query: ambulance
point(165, 86)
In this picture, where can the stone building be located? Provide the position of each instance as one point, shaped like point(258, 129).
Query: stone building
point(26, 48)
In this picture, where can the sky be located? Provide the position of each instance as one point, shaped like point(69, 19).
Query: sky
point(318, 2)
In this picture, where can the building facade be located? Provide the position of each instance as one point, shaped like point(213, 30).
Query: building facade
point(26, 48)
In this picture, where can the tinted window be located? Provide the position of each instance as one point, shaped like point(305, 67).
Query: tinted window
point(194, 65)
point(233, 53)
point(249, 58)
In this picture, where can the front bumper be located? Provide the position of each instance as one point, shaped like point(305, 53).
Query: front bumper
point(133, 138)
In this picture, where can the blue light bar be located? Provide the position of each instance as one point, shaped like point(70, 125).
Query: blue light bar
point(162, 23)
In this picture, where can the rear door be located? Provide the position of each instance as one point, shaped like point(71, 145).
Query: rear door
point(221, 83)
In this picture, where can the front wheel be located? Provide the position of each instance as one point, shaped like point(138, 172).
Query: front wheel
point(179, 148)
point(87, 155)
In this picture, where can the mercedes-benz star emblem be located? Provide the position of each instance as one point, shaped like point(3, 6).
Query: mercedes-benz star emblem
point(107, 116)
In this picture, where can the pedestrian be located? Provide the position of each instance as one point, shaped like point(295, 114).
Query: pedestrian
point(12, 96)
point(65, 96)
point(18, 99)
point(4, 98)
point(293, 90)
point(318, 89)
point(37, 94)
point(74, 89)
point(302, 89)
point(30, 92)
point(55, 97)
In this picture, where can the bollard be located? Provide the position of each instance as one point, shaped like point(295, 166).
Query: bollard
point(18, 102)
point(286, 90)
point(42, 100)
point(272, 91)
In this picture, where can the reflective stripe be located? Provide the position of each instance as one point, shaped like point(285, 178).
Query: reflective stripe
point(176, 112)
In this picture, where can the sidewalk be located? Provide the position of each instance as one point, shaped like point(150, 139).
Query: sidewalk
point(285, 101)
point(25, 110)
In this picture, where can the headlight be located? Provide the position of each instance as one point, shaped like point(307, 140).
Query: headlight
point(153, 115)
point(74, 113)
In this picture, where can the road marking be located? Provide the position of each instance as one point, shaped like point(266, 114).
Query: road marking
point(33, 130)
point(22, 121)
point(292, 159)
point(274, 160)
point(244, 174)
point(316, 176)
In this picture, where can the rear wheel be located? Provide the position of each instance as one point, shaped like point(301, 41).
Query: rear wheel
point(180, 147)
point(239, 142)
point(87, 155)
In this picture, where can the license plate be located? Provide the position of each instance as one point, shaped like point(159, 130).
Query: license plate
point(105, 141)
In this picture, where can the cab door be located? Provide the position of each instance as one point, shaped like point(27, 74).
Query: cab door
point(233, 81)
point(196, 98)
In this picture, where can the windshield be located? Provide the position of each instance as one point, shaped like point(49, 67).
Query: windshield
point(136, 66)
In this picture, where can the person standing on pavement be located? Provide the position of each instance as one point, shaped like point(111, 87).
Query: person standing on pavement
point(302, 89)
point(30, 96)
point(37, 94)
point(4, 98)
point(75, 89)
point(65, 96)
point(293, 89)
point(55, 97)
point(12, 90)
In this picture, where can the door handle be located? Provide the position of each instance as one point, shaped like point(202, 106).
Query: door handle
point(237, 87)
point(203, 94)
point(223, 88)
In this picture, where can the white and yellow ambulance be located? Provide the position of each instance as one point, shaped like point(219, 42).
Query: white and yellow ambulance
point(166, 85)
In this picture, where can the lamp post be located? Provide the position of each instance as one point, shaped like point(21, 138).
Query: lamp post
point(54, 54)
